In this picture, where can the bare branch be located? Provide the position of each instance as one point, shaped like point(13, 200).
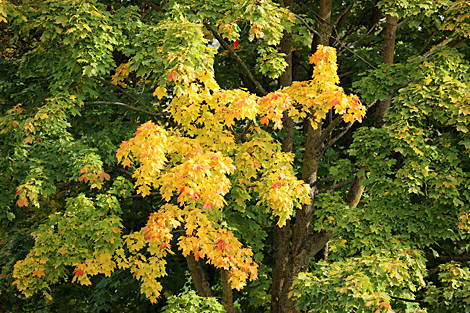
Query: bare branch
point(404, 299)
point(237, 58)
point(365, 35)
point(335, 186)
point(316, 33)
point(127, 106)
point(332, 177)
point(442, 43)
point(119, 88)
point(153, 5)
point(242, 135)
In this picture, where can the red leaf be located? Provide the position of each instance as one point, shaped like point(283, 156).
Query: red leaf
point(78, 272)
point(334, 102)
point(235, 44)
point(221, 245)
point(208, 205)
point(276, 185)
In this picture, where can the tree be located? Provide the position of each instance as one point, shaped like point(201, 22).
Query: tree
point(143, 140)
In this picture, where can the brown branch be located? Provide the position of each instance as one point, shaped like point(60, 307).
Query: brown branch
point(464, 257)
point(335, 186)
point(119, 88)
point(345, 130)
point(153, 5)
point(332, 177)
point(341, 43)
point(126, 106)
point(404, 299)
point(428, 41)
point(345, 11)
point(365, 35)
point(237, 58)
point(305, 7)
point(243, 134)
point(442, 43)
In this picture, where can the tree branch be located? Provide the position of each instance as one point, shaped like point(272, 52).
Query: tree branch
point(366, 34)
point(335, 186)
point(404, 299)
point(464, 257)
point(332, 177)
point(126, 106)
point(237, 58)
point(442, 43)
point(119, 88)
point(153, 5)
point(242, 135)
point(337, 39)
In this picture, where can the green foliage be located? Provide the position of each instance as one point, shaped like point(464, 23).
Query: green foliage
point(361, 284)
point(191, 303)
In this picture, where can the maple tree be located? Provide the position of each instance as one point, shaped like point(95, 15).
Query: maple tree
point(283, 156)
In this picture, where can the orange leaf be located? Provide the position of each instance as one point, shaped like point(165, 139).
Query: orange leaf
point(83, 170)
point(172, 77)
point(208, 205)
point(38, 272)
point(78, 272)
point(276, 185)
point(103, 176)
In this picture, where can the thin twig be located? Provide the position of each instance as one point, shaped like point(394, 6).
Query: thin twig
point(348, 8)
point(118, 87)
point(332, 177)
point(428, 41)
point(335, 186)
point(368, 32)
point(237, 58)
point(127, 106)
point(407, 300)
point(442, 43)
point(153, 5)
point(341, 43)
point(243, 134)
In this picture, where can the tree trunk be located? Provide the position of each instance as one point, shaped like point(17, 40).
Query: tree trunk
point(200, 282)
point(293, 257)
point(227, 298)
point(355, 192)
point(388, 53)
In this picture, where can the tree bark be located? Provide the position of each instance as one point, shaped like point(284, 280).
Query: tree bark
point(227, 298)
point(282, 234)
point(200, 282)
point(305, 244)
point(388, 54)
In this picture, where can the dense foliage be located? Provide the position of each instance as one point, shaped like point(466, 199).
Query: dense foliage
point(211, 156)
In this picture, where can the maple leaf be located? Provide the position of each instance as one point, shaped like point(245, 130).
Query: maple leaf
point(276, 185)
point(164, 246)
point(208, 205)
point(78, 272)
point(160, 92)
point(103, 176)
point(172, 77)
point(39, 272)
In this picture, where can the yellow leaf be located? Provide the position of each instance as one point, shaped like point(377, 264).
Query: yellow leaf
point(160, 92)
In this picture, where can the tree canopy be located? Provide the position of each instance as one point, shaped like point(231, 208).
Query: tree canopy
point(234, 156)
